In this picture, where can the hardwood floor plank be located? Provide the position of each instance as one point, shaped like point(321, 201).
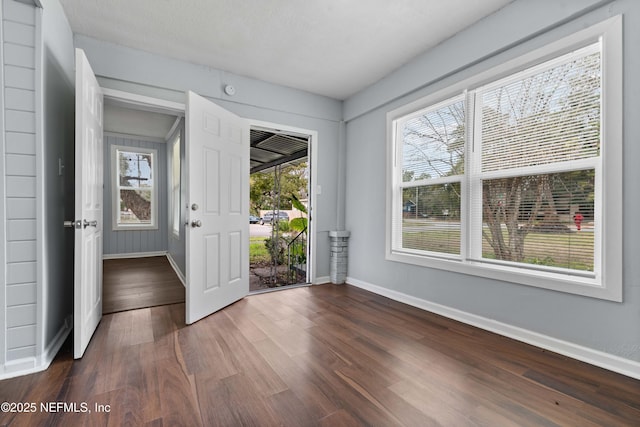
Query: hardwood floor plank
point(291, 410)
point(251, 363)
point(301, 382)
point(240, 314)
point(323, 355)
point(204, 351)
point(134, 283)
point(233, 401)
point(339, 418)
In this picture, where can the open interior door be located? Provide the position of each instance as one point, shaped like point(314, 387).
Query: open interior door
point(217, 165)
point(87, 296)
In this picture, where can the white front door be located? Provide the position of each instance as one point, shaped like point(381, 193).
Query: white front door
point(217, 165)
point(87, 296)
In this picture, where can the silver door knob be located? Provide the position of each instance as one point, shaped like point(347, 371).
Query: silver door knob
point(194, 207)
point(196, 223)
point(73, 224)
point(86, 223)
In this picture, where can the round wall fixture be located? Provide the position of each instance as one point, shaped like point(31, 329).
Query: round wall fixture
point(229, 90)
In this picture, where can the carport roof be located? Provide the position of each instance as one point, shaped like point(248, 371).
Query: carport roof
point(272, 148)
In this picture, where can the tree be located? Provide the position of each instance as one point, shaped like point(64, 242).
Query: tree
point(434, 147)
point(293, 180)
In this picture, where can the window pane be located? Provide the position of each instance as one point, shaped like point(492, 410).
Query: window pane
point(175, 176)
point(541, 219)
point(135, 207)
point(431, 218)
point(135, 169)
point(433, 143)
point(548, 117)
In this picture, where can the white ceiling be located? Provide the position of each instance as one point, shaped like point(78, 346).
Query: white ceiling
point(329, 47)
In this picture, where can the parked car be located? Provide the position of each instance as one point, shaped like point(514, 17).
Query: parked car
point(268, 217)
point(254, 219)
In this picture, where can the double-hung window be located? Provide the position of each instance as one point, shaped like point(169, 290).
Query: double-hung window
point(515, 174)
point(175, 187)
point(135, 190)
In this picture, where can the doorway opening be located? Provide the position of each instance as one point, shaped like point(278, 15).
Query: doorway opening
point(280, 206)
point(141, 233)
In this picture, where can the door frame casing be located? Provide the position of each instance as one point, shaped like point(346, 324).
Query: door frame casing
point(312, 152)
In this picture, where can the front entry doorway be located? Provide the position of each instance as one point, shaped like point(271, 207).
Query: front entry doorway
point(280, 205)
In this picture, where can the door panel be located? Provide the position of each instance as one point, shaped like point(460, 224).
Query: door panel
point(87, 298)
point(217, 164)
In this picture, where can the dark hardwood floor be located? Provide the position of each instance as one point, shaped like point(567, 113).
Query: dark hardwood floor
point(132, 283)
point(317, 356)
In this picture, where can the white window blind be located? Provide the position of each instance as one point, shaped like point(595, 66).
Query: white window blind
point(433, 142)
point(550, 114)
point(545, 120)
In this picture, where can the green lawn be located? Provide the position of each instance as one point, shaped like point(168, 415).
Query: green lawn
point(564, 250)
point(257, 250)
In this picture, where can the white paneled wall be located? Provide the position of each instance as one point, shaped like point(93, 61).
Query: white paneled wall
point(19, 63)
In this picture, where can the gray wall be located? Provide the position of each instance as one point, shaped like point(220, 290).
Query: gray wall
point(177, 244)
point(153, 75)
point(610, 327)
point(119, 242)
point(19, 173)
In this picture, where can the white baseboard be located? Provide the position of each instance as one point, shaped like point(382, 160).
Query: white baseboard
point(175, 267)
point(598, 358)
point(322, 280)
point(54, 346)
point(31, 365)
point(134, 255)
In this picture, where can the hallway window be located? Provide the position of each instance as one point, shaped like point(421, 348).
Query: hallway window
point(175, 187)
point(515, 174)
point(134, 189)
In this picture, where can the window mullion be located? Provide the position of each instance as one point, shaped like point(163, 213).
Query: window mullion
point(474, 181)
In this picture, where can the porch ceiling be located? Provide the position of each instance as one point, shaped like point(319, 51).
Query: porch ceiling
point(270, 149)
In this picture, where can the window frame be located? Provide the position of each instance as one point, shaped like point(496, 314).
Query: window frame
point(176, 184)
point(115, 193)
point(606, 282)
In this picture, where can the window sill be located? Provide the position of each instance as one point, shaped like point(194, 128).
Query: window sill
point(135, 228)
point(593, 287)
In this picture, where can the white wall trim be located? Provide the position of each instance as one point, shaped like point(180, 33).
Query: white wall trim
point(321, 280)
point(54, 346)
point(175, 267)
point(607, 361)
point(134, 255)
point(31, 365)
point(146, 103)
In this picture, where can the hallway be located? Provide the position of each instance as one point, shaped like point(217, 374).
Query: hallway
point(133, 283)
